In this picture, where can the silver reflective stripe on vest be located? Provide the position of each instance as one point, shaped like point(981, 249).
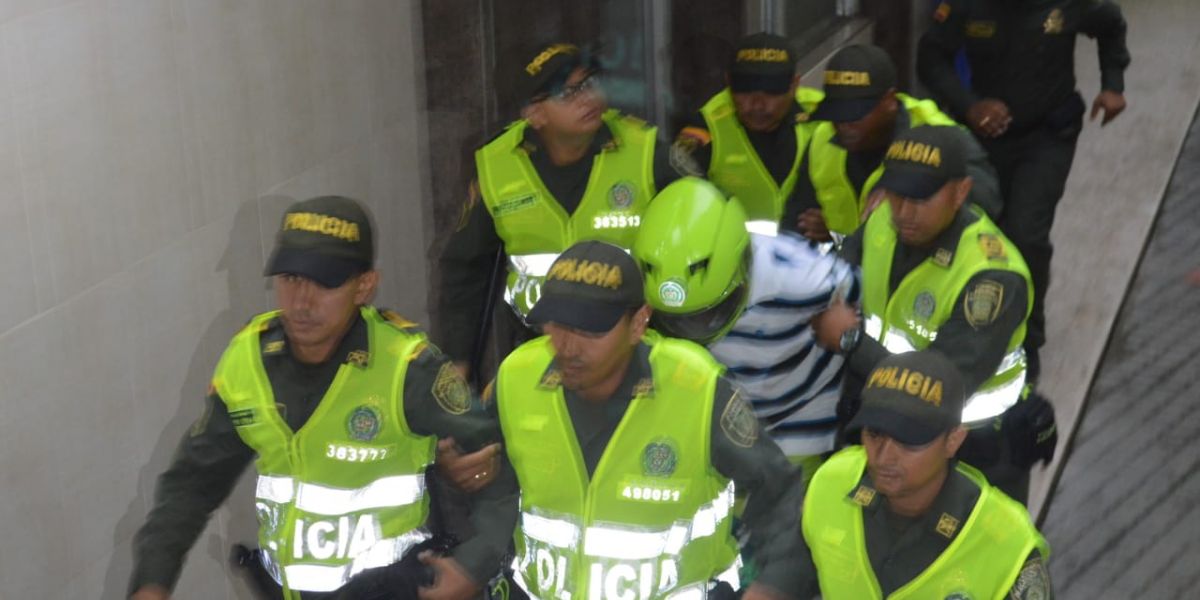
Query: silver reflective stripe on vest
point(768, 228)
point(400, 490)
point(326, 578)
point(532, 265)
point(624, 543)
point(699, 591)
point(279, 490)
point(984, 403)
point(553, 532)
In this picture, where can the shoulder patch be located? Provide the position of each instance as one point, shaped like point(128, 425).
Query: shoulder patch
point(981, 304)
point(1033, 583)
point(738, 421)
point(942, 13)
point(451, 391)
point(992, 246)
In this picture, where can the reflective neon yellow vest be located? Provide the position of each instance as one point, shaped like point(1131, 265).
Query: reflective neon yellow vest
point(654, 519)
point(736, 167)
point(840, 204)
point(983, 561)
point(533, 225)
point(909, 318)
point(347, 491)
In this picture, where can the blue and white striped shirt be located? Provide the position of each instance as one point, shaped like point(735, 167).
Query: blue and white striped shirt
point(771, 352)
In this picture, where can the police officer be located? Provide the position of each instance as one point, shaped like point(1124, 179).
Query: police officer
point(749, 298)
point(569, 169)
point(898, 516)
point(1023, 106)
point(861, 114)
point(629, 446)
point(338, 404)
point(938, 274)
point(749, 137)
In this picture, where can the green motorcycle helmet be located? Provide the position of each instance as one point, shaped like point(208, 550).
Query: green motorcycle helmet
point(694, 250)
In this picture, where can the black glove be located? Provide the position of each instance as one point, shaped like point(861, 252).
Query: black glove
point(1031, 431)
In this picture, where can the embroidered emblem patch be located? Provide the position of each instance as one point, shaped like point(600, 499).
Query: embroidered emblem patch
point(947, 525)
point(738, 421)
point(864, 495)
point(981, 305)
point(620, 196)
point(992, 246)
point(1054, 22)
point(363, 424)
point(659, 459)
point(451, 391)
point(924, 305)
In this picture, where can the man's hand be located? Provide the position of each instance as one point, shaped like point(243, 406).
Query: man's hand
point(1112, 103)
point(811, 224)
point(151, 591)
point(468, 472)
point(832, 323)
point(989, 117)
point(450, 580)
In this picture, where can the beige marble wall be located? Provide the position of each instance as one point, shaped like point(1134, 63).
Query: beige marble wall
point(147, 149)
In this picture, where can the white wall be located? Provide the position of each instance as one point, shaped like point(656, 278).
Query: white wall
point(147, 149)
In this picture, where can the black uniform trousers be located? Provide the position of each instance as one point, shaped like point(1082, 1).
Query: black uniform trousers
point(1032, 167)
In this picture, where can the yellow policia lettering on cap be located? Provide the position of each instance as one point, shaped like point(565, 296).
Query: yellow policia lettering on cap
point(913, 383)
point(930, 156)
point(325, 224)
point(856, 78)
point(538, 61)
point(585, 271)
point(762, 55)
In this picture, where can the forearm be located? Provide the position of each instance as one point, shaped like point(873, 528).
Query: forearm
point(198, 481)
point(1105, 22)
point(493, 516)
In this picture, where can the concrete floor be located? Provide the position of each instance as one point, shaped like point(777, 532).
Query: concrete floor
point(1124, 516)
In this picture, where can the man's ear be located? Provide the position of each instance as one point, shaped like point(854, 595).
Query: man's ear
point(365, 286)
point(962, 189)
point(641, 321)
point(534, 114)
point(954, 441)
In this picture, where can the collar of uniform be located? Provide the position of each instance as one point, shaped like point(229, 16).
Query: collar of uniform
point(950, 509)
point(941, 252)
point(864, 494)
point(532, 143)
point(945, 516)
point(354, 348)
point(637, 381)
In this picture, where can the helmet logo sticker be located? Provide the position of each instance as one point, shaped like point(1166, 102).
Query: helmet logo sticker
point(621, 195)
point(672, 293)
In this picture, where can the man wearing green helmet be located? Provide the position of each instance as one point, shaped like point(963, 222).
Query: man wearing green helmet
point(749, 298)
